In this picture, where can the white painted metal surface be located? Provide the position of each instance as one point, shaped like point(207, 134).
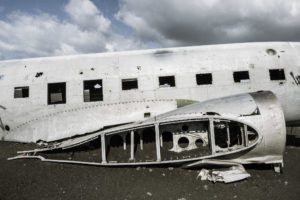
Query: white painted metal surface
point(32, 119)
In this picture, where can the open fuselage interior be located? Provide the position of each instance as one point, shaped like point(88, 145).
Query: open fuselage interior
point(175, 142)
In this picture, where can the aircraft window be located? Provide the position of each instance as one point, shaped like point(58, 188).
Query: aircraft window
point(204, 79)
point(92, 90)
point(21, 92)
point(241, 77)
point(129, 84)
point(166, 81)
point(277, 74)
point(56, 93)
point(147, 115)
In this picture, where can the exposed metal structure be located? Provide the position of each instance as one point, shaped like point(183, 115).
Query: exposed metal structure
point(241, 129)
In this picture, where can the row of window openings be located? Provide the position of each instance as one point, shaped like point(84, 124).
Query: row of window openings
point(92, 89)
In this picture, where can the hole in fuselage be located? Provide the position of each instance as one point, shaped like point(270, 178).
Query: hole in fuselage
point(183, 142)
point(116, 140)
point(185, 127)
point(7, 128)
point(271, 52)
point(199, 143)
point(167, 136)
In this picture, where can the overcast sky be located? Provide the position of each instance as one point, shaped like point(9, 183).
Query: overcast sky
point(35, 28)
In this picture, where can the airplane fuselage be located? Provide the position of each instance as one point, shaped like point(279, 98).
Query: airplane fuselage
point(57, 97)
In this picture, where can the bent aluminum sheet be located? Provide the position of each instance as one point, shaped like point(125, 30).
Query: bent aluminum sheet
point(256, 114)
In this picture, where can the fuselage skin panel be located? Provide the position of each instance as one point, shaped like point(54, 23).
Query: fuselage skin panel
point(31, 119)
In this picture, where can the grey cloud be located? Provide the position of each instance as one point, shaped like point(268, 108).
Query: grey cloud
point(41, 34)
point(157, 22)
point(87, 16)
point(177, 22)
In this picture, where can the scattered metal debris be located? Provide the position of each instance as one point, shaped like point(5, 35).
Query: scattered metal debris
point(149, 194)
point(233, 174)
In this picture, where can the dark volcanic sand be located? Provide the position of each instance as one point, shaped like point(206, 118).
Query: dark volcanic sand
point(32, 179)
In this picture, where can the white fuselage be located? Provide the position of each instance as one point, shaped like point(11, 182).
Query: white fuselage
point(32, 119)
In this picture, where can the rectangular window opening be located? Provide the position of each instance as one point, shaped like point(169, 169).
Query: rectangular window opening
point(21, 92)
point(241, 77)
point(129, 84)
point(204, 79)
point(56, 93)
point(147, 115)
point(92, 90)
point(277, 74)
point(166, 81)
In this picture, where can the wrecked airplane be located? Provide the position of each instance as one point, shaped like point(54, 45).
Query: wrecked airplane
point(191, 106)
point(241, 129)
